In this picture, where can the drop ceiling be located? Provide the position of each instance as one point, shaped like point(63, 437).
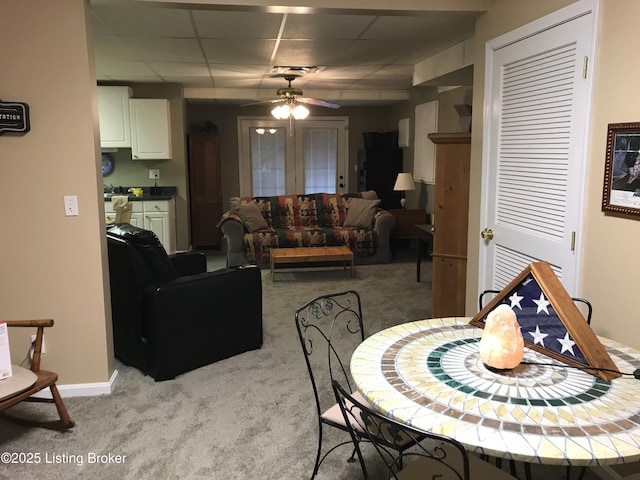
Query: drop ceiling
point(228, 54)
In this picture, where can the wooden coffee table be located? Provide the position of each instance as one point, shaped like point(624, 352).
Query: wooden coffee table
point(311, 254)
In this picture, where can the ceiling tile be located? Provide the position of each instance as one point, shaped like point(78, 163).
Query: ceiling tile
point(123, 68)
point(190, 82)
point(326, 27)
point(309, 52)
point(246, 52)
point(223, 24)
point(110, 47)
point(388, 52)
point(234, 48)
point(145, 21)
point(434, 26)
point(165, 49)
point(174, 69)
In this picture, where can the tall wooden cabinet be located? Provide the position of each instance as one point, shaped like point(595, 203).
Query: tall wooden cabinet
point(450, 217)
point(205, 198)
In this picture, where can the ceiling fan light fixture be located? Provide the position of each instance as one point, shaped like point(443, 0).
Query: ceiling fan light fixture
point(281, 112)
point(294, 70)
point(300, 112)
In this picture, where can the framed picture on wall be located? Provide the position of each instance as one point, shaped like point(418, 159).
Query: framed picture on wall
point(621, 190)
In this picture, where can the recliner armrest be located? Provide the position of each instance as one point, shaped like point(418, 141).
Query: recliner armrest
point(189, 263)
point(196, 320)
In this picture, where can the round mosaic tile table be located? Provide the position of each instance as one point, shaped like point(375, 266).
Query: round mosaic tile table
point(428, 374)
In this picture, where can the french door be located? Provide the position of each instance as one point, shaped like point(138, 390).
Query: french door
point(538, 92)
point(305, 156)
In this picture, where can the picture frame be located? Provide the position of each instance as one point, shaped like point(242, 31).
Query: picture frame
point(621, 186)
point(550, 322)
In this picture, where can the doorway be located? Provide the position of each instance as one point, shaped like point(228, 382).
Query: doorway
point(538, 90)
point(281, 158)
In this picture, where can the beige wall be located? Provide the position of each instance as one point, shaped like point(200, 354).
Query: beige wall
point(52, 265)
point(610, 272)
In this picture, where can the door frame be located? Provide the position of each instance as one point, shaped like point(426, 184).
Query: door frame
point(564, 15)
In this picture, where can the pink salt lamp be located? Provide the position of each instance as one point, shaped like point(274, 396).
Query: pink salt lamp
point(501, 345)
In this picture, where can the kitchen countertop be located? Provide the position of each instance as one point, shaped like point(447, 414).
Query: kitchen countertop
point(164, 193)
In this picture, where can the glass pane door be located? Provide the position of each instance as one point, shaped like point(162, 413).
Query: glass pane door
point(320, 152)
point(274, 162)
point(267, 161)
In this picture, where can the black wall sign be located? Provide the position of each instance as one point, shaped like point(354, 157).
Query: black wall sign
point(14, 117)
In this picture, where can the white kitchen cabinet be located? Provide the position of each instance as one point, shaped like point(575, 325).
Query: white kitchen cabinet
point(115, 121)
point(137, 217)
point(150, 129)
point(159, 216)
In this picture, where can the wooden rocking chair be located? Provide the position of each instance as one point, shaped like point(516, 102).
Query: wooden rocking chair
point(27, 382)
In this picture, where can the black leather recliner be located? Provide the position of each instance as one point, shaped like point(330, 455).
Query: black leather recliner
point(169, 315)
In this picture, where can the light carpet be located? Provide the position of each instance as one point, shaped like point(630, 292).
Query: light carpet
point(246, 417)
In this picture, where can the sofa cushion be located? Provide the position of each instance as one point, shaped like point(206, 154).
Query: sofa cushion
point(252, 217)
point(361, 213)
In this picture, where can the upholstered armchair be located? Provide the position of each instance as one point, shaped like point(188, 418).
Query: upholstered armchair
point(169, 315)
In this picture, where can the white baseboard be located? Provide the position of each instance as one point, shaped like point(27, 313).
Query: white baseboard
point(83, 389)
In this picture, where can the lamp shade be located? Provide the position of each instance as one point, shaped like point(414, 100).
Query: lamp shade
point(404, 182)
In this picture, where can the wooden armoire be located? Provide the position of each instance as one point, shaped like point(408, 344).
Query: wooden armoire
point(205, 198)
point(450, 217)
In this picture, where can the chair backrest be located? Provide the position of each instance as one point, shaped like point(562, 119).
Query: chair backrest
point(329, 327)
point(432, 456)
point(137, 261)
point(583, 305)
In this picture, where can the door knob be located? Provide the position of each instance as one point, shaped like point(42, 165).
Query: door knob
point(487, 233)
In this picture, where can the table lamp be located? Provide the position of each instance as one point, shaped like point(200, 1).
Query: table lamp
point(501, 345)
point(404, 182)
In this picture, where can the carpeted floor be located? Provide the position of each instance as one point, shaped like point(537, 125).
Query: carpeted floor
point(247, 417)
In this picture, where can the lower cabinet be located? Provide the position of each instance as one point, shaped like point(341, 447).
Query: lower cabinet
point(159, 217)
point(155, 215)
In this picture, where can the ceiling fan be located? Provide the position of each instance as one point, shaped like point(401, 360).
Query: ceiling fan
point(291, 99)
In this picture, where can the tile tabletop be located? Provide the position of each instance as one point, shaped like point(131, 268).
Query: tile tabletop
point(429, 374)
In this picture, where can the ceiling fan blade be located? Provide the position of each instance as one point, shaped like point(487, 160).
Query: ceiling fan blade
point(266, 102)
point(319, 103)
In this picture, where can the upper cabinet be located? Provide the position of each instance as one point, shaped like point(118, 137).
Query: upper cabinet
point(150, 129)
point(113, 111)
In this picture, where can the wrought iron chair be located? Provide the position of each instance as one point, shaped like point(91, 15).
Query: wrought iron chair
point(32, 381)
point(330, 325)
point(431, 455)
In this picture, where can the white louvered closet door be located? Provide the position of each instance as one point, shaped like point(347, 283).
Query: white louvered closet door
point(534, 156)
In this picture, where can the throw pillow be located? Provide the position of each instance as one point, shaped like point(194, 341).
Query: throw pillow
point(370, 195)
point(361, 213)
point(252, 217)
point(234, 203)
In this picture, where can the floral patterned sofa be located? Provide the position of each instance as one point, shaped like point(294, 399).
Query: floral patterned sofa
point(254, 225)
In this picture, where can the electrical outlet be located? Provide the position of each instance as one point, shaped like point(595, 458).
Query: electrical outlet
point(70, 205)
point(154, 173)
point(33, 340)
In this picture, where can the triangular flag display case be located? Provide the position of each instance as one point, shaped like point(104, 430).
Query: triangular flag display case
point(550, 321)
